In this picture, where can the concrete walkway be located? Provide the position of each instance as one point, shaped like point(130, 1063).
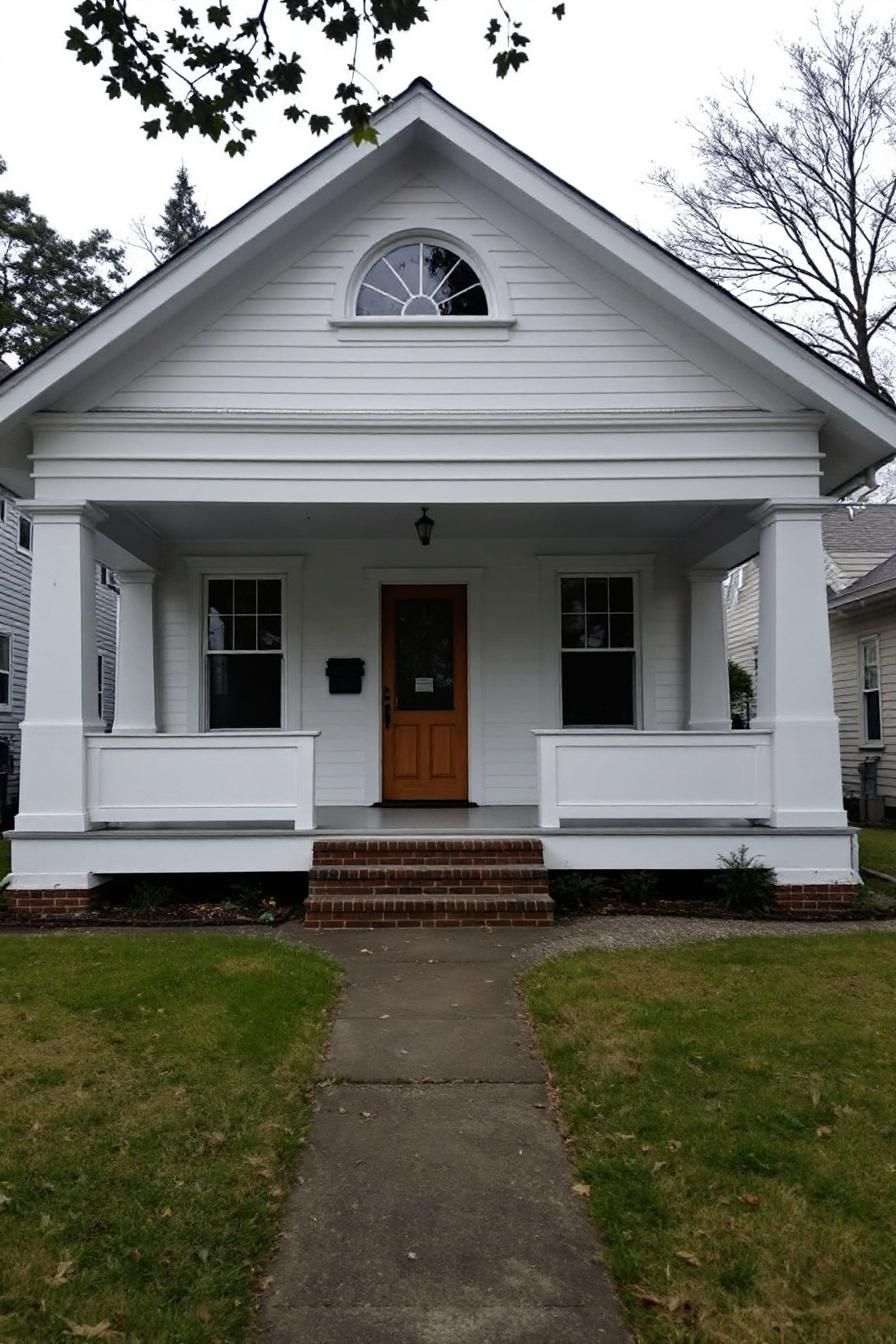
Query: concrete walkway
point(434, 1204)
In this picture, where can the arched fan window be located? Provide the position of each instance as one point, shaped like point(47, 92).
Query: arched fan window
point(421, 280)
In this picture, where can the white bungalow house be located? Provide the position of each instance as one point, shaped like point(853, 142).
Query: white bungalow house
point(249, 436)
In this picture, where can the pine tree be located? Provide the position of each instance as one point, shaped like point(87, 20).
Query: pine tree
point(182, 219)
point(48, 283)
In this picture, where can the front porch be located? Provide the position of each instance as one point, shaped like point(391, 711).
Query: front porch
point(578, 694)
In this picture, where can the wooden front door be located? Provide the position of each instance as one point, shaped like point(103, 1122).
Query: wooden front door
point(424, 709)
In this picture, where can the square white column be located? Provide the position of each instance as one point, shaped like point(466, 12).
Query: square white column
point(795, 695)
point(710, 703)
point(135, 674)
point(61, 696)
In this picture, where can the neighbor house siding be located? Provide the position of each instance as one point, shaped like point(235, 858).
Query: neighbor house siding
point(340, 619)
point(276, 350)
point(847, 629)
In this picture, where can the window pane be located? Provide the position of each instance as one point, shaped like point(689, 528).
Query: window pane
point(424, 653)
point(380, 277)
point(220, 594)
point(245, 597)
point(598, 689)
point(220, 630)
point(269, 595)
point(597, 632)
point(470, 303)
point(622, 595)
point(269, 632)
point(373, 304)
point(572, 595)
point(869, 665)
point(872, 716)
point(244, 691)
point(24, 532)
point(4, 653)
point(244, 630)
point(4, 688)
point(597, 595)
point(622, 631)
point(572, 632)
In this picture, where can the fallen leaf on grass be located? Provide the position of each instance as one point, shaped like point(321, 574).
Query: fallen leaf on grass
point(752, 1200)
point(103, 1330)
point(62, 1275)
point(689, 1257)
point(166, 1213)
point(580, 1188)
point(823, 1130)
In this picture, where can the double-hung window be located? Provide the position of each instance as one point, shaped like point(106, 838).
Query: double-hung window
point(598, 651)
point(5, 670)
point(25, 530)
point(869, 671)
point(244, 653)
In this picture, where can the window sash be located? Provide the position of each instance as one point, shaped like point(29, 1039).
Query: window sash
point(626, 613)
point(209, 652)
point(870, 690)
point(25, 534)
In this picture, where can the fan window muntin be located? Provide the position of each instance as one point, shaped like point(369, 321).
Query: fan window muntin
point(420, 279)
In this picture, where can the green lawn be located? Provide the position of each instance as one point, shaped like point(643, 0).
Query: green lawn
point(154, 1096)
point(4, 858)
point(732, 1108)
point(877, 848)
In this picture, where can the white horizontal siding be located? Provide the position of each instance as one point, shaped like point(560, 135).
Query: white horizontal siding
point(276, 350)
point(846, 631)
point(337, 608)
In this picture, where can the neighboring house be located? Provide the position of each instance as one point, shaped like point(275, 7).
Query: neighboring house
point(258, 436)
point(15, 589)
point(859, 563)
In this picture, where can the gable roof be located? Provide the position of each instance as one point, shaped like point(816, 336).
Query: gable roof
point(878, 582)
point(859, 430)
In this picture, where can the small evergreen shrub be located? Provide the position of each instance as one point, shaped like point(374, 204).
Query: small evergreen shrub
point(744, 883)
point(637, 886)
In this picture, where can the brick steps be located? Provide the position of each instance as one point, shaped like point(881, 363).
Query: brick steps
point(407, 883)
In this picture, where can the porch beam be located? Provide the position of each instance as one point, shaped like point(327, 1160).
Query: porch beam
point(795, 696)
point(709, 707)
point(135, 682)
point(61, 696)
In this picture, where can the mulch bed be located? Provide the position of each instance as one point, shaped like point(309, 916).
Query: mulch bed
point(197, 914)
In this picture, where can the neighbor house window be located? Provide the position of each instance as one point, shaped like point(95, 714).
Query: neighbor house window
point(2, 510)
point(869, 670)
point(244, 653)
point(107, 578)
point(5, 671)
point(24, 533)
point(421, 280)
point(597, 651)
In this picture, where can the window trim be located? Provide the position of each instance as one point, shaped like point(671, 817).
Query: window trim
point(6, 705)
point(864, 739)
point(29, 549)
point(249, 566)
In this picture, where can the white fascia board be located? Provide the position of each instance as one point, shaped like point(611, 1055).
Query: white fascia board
point(649, 269)
point(202, 266)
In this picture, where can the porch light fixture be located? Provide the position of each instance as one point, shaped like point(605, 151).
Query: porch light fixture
point(424, 526)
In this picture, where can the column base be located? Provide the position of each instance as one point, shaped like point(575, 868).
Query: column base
point(826, 898)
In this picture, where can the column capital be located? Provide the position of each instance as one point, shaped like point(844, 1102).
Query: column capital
point(133, 576)
point(62, 511)
point(776, 511)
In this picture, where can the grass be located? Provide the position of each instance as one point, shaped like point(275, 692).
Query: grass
point(154, 1096)
point(4, 858)
point(877, 848)
point(732, 1109)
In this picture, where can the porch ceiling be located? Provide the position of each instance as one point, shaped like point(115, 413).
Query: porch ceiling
point(293, 523)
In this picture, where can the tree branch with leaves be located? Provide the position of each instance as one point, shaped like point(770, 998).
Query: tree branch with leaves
point(795, 210)
point(208, 68)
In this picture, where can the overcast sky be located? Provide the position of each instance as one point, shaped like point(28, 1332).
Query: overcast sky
point(606, 95)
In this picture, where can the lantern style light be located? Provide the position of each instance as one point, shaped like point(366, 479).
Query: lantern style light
point(424, 526)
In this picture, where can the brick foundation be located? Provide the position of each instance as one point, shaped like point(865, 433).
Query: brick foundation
point(825, 899)
point(427, 884)
point(49, 904)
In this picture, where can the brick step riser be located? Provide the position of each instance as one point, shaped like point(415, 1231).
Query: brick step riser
point(442, 873)
point(359, 920)
point(442, 857)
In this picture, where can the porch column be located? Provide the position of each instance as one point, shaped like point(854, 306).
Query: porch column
point(61, 694)
point(795, 696)
point(135, 664)
point(710, 707)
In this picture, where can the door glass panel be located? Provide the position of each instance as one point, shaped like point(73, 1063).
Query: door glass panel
point(424, 653)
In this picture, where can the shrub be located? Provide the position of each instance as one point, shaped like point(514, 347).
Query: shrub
point(744, 882)
point(637, 886)
point(147, 897)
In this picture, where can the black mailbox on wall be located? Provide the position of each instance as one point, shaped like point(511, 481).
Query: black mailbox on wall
point(345, 675)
